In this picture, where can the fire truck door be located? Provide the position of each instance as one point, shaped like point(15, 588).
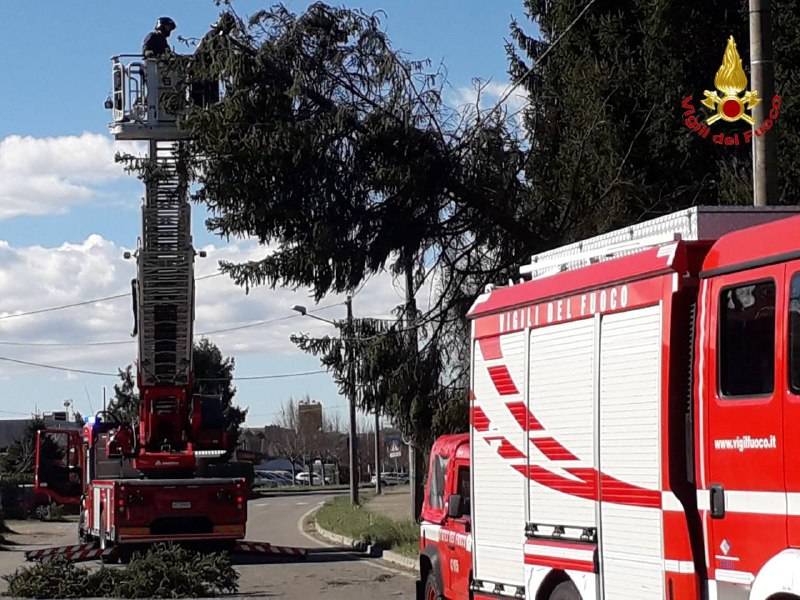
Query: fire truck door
point(58, 465)
point(791, 408)
point(742, 492)
point(456, 536)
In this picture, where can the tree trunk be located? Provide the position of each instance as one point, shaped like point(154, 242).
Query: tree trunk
point(414, 456)
point(377, 453)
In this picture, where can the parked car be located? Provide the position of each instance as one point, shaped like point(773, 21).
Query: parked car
point(391, 478)
point(303, 478)
point(283, 477)
point(317, 479)
point(264, 479)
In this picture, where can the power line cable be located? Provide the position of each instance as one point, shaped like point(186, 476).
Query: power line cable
point(57, 368)
point(104, 374)
point(260, 377)
point(85, 302)
point(62, 306)
point(514, 85)
point(255, 324)
point(131, 341)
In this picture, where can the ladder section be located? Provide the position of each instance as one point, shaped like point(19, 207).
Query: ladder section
point(166, 271)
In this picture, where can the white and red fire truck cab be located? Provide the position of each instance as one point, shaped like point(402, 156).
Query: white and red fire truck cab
point(635, 419)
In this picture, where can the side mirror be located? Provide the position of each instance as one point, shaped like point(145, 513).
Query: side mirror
point(454, 510)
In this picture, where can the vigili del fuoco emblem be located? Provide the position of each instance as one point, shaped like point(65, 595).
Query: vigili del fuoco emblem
point(731, 81)
point(730, 103)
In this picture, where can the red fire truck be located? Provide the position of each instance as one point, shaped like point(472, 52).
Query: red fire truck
point(633, 410)
point(165, 477)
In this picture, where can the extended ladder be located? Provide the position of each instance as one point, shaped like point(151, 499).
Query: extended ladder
point(166, 271)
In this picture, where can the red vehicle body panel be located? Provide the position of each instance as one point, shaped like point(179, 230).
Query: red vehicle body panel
point(133, 511)
point(446, 542)
point(740, 447)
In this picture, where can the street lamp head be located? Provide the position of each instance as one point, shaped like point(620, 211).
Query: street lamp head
point(299, 308)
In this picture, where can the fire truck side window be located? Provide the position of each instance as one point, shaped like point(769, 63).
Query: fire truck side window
point(747, 340)
point(794, 335)
point(463, 489)
point(437, 475)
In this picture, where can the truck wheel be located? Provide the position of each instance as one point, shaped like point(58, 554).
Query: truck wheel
point(565, 590)
point(432, 591)
point(103, 537)
point(83, 537)
point(41, 512)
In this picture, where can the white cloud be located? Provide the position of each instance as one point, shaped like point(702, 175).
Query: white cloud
point(41, 176)
point(33, 277)
point(484, 95)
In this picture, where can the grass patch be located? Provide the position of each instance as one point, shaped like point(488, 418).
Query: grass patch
point(408, 549)
point(339, 516)
point(164, 571)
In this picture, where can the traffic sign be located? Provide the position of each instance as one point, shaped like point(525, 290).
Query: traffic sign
point(394, 449)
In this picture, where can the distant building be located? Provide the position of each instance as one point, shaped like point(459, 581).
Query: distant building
point(309, 416)
point(264, 441)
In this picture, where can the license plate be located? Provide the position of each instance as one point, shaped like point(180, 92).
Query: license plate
point(181, 505)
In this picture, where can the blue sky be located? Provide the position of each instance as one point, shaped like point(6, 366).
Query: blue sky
point(67, 213)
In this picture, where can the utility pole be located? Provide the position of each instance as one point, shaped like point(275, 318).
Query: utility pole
point(377, 452)
point(762, 73)
point(351, 384)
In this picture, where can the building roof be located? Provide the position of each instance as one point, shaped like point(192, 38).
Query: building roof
point(12, 430)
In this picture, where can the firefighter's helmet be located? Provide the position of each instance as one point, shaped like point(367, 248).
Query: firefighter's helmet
point(165, 24)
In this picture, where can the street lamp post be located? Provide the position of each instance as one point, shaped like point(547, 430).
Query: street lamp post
point(351, 385)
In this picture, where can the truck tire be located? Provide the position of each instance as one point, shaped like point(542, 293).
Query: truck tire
point(83, 537)
point(432, 591)
point(41, 512)
point(108, 558)
point(565, 590)
point(102, 533)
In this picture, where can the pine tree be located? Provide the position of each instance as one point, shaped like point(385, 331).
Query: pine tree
point(609, 146)
point(21, 455)
point(213, 375)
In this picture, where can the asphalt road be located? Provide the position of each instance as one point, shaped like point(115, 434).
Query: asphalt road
point(29, 535)
point(327, 572)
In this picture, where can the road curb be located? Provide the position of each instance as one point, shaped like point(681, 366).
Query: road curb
point(400, 560)
point(343, 540)
point(373, 550)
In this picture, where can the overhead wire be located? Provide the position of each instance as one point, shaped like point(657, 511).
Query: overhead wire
point(520, 80)
point(85, 302)
point(106, 374)
point(56, 367)
point(28, 363)
point(131, 341)
point(260, 377)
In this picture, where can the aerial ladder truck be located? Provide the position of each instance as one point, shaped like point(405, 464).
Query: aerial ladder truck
point(166, 478)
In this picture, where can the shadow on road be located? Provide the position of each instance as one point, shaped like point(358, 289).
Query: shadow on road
point(315, 555)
